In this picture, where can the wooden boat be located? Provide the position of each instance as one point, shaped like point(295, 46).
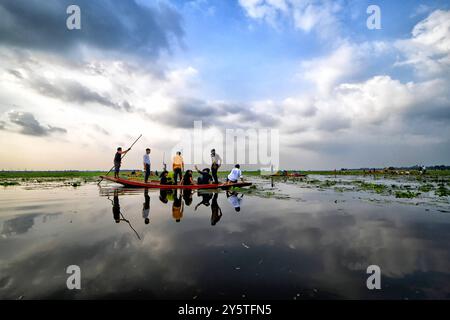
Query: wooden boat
point(156, 185)
point(301, 175)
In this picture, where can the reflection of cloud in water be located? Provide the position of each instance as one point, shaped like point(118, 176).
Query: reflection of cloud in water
point(293, 247)
point(18, 225)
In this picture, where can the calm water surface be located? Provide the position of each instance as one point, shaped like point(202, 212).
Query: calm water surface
point(297, 243)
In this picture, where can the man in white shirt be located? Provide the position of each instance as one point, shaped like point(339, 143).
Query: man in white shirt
point(216, 162)
point(147, 164)
point(235, 174)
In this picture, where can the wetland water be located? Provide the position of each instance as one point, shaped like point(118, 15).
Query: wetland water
point(292, 240)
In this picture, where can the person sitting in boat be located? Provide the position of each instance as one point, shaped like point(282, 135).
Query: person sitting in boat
point(118, 161)
point(235, 175)
point(205, 176)
point(164, 178)
point(187, 178)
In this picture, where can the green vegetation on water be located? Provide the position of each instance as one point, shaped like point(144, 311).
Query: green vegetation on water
point(436, 181)
point(9, 183)
point(95, 174)
point(442, 191)
point(49, 174)
point(378, 188)
point(377, 173)
point(406, 194)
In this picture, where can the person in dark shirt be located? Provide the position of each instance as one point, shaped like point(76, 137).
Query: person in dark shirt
point(118, 161)
point(164, 179)
point(187, 178)
point(205, 176)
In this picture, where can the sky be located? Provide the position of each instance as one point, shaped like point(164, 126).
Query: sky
point(339, 94)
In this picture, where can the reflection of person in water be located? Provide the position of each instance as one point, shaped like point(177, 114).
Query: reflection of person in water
point(187, 197)
point(177, 207)
point(116, 207)
point(235, 200)
point(163, 195)
point(118, 215)
point(146, 207)
point(206, 197)
point(216, 212)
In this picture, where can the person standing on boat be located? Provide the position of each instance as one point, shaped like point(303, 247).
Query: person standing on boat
point(147, 164)
point(177, 166)
point(118, 161)
point(215, 165)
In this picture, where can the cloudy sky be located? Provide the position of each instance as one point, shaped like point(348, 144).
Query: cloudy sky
point(340, 95)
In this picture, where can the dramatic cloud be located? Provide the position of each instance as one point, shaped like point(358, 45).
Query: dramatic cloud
point(356, 101)
point(30, 126)
point(105, 24)
point(428, 50)
point(184, 112)
point(73, 91)
point(343, 116)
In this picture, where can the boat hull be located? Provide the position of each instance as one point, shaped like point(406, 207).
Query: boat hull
point(155, 185)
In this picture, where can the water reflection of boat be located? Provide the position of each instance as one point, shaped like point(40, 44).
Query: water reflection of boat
point(181, 199)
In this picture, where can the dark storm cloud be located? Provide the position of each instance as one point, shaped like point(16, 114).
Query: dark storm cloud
point(186, 111)
point(30, 126)
point(437, 110)
point(73, 91)
point(105, 24)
